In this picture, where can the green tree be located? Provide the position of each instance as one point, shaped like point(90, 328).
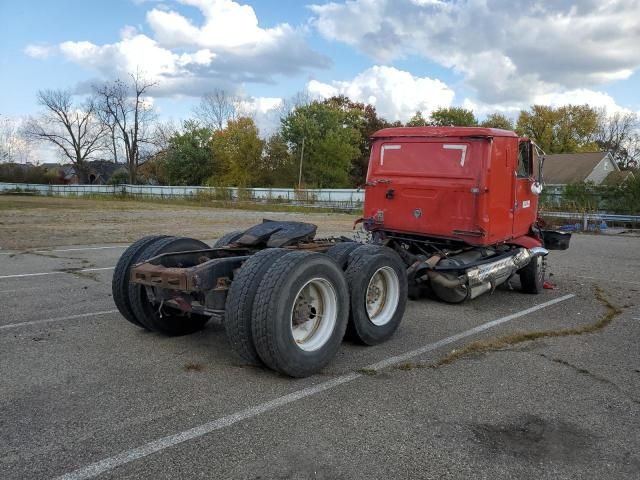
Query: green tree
point(453, 117)
point(565, 129)
point(238, 153)
point(363, 118)
point(497, 120)
point(332, 141)
point(278, 167)
point(188, 160)
point(417, 120)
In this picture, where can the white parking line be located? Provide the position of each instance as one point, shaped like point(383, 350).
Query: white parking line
point(78, 249)
point(57, 319)
point(68, 270)
point(110, 463)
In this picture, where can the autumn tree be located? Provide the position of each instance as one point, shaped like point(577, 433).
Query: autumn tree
point(331, 142)
point(73, 129)
point(126, 111)
point(497, 120)
point(238, 152)
point(453, 117)
point(565, 129)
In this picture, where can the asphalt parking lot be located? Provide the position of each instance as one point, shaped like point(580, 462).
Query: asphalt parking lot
point(83, 393)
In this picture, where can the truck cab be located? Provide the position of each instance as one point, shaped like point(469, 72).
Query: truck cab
point(474, 185)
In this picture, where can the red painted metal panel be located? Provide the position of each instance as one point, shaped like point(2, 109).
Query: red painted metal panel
point(456, 183)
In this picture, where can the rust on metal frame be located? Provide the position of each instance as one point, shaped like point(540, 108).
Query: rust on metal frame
point(163, 277)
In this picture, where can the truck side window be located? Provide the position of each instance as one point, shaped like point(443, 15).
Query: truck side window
point(524, 160)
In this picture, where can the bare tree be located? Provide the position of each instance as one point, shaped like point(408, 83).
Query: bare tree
point(618, 133)
point(217, 108)
point(14, 146)
point(162, 133)
point(74, 130)
point(288, 105)
point(125, 106)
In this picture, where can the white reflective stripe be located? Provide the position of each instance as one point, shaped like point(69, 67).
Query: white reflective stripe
point(463, 148)
point(387, 147)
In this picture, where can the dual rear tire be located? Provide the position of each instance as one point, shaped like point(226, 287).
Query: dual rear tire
point(132, 300)
point(290, 310)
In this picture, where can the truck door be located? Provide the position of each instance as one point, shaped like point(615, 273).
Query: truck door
point(526, 202)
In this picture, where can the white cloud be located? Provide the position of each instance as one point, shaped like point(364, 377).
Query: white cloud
point(39, 51)
point(581, 96)
point(227, 50)
point(227, 24)
point(396, 94)
point(507, 50)
point(265, 112)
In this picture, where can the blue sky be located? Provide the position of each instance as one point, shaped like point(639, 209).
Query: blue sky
point(400, 55)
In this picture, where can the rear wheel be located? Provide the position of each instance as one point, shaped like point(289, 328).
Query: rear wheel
point(364, 249)
point(300, 313)
point(532, 275)
point(166, 320)
point(120, 280)
point(341, 251)
point(239, 304)
point(378, 290)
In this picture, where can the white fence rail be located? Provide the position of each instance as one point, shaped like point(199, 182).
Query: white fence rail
point(331, 198)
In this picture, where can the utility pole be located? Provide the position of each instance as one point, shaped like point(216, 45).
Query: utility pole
point(300, 174)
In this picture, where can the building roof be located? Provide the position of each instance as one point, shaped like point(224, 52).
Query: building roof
point(617, 177)
point(565, 168)
point(442, 132)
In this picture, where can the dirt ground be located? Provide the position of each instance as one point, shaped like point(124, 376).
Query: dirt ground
point(29, 222)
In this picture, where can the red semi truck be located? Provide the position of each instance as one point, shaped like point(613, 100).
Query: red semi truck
point(449, 210)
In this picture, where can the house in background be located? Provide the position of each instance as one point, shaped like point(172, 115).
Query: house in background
point(588, 167)
point(100, 171)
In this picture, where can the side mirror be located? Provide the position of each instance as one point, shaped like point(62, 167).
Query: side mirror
point(536, 188)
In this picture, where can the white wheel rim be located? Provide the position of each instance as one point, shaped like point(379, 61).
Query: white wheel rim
point(382, 296)
point(314, 314)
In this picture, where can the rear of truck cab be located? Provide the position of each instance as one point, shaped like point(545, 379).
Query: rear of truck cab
point(453, 183)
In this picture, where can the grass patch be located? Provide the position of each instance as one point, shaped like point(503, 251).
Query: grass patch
point(500, 343)
point(368, 371)
point(133, 202)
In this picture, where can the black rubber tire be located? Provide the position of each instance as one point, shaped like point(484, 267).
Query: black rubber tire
point(120, 279)
point(272, 308)
point(228, 238)
point(365, 249)
point(341, 251)
point(239, 304)
point(359, 274)
point(532, 276)
point(172, 324)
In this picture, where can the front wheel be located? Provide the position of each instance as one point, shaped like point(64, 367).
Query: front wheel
point(532, 275)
